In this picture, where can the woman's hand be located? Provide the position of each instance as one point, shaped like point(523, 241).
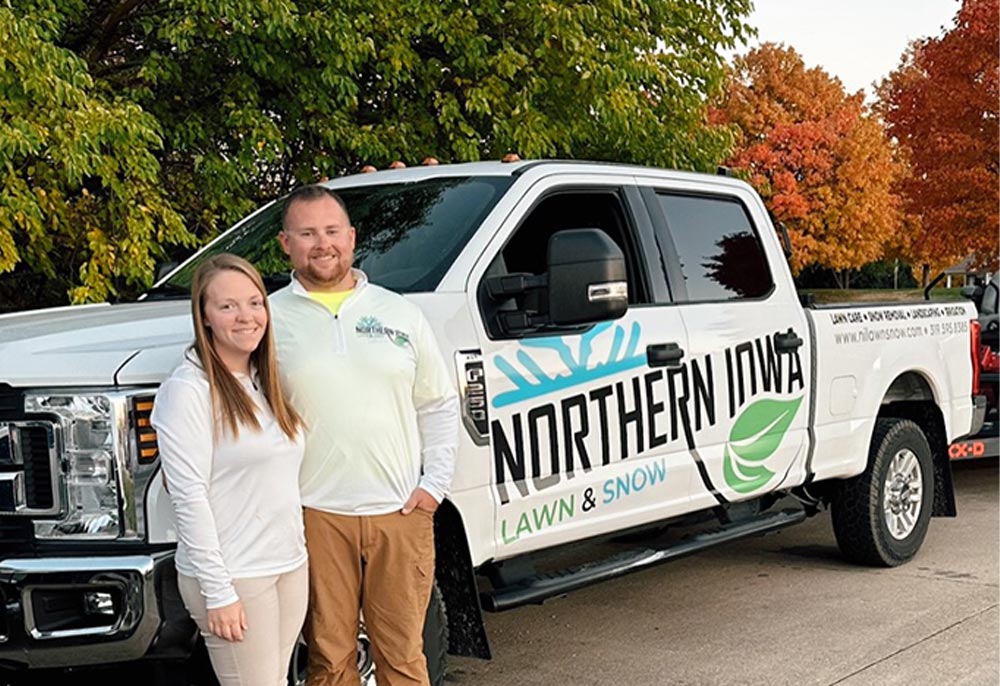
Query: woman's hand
point(228, 622)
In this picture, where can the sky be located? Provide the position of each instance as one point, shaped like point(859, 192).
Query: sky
point(858, 41)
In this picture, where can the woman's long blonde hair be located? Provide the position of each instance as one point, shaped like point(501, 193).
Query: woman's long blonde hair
point(230, 403)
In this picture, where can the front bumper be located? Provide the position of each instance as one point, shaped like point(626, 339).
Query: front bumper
point(73, 611)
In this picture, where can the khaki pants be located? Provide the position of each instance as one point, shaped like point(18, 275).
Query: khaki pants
point(275, 607)
point(382, 565)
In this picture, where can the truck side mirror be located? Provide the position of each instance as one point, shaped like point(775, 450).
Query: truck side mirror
point(584, 282)
point(586, 278)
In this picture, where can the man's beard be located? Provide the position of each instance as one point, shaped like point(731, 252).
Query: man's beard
point(327, 278)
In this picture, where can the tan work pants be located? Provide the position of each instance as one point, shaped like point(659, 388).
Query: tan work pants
point(382, 565)
point(275, 607)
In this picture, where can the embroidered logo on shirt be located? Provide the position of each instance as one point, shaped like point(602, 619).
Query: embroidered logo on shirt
point(370, 327)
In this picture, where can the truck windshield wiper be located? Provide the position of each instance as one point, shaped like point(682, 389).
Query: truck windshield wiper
point(167, 291)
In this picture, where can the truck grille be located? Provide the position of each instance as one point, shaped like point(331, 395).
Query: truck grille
point(38, 476)
point(27, 462)
point(15, 534)
point(11, 399)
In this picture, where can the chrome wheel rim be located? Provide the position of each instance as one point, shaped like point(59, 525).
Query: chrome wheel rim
point(902, 494)
point(366, 663)
point(299, 663)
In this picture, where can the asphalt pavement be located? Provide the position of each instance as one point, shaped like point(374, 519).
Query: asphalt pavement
point(783, 609)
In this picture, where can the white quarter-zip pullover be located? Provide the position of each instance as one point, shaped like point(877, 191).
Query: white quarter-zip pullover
point(236, 502)
point(380, 409)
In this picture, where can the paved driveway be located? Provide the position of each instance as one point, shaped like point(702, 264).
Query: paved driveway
point(777, 610)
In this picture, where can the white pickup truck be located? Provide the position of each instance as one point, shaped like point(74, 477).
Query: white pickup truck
point(632, 358)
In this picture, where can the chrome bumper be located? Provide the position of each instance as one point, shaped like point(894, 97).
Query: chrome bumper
point(74, 611)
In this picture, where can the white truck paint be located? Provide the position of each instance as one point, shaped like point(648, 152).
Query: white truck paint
point(569, 432)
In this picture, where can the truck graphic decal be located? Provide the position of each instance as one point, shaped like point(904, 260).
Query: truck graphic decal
point(547, 514)
point(578, 367)
point(536, 446)
point(755, 437)
point(891, 324)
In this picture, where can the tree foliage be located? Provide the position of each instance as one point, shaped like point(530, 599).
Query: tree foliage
point(80, 180)
point(129, 125)
point(819, 160)
point(941, 105)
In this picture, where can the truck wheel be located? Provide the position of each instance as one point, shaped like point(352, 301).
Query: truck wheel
point(436, 638)
point(435, 649)
point(880, 517)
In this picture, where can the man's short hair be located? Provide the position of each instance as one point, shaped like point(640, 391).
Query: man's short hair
point(307, 193)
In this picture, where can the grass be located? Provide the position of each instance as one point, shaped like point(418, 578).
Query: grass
point(825, 296)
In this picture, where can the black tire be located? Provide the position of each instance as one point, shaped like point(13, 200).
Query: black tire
point(435, 645)
point(859, 503)
point(436, 638)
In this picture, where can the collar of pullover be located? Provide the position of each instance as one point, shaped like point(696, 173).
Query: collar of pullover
point(360, 283)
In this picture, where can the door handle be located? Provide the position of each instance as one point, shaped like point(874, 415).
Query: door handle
point(664, 355)
point(787, 342)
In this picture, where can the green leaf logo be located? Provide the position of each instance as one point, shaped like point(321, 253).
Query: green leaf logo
point(754, 437)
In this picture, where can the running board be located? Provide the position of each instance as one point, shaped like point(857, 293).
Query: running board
point(537, 589)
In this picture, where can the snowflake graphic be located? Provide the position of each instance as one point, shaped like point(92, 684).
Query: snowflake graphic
point(578, 366)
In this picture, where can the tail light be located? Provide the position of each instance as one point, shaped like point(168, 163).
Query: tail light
point(975, 328)
point(989, 361)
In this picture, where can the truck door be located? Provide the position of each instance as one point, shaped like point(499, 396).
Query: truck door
point(748, 333)
point(581, 433)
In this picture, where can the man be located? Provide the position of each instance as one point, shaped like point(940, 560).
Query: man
point(362, 367)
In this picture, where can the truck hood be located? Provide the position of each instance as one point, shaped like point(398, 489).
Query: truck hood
point(92, 345)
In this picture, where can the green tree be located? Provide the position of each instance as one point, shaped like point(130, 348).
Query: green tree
point(80, 180)
point(156, 123)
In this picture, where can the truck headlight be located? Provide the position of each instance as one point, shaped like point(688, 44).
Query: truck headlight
point(91, 473)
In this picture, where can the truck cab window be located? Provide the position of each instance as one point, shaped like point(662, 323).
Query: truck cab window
point(720, 254)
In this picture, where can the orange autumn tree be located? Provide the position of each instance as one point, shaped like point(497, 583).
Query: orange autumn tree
point(941, 106)
point(820, 161)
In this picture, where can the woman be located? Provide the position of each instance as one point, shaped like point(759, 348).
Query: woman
point(231, 446)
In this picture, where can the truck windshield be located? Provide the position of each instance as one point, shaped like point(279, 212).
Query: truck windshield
point(408, 234)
